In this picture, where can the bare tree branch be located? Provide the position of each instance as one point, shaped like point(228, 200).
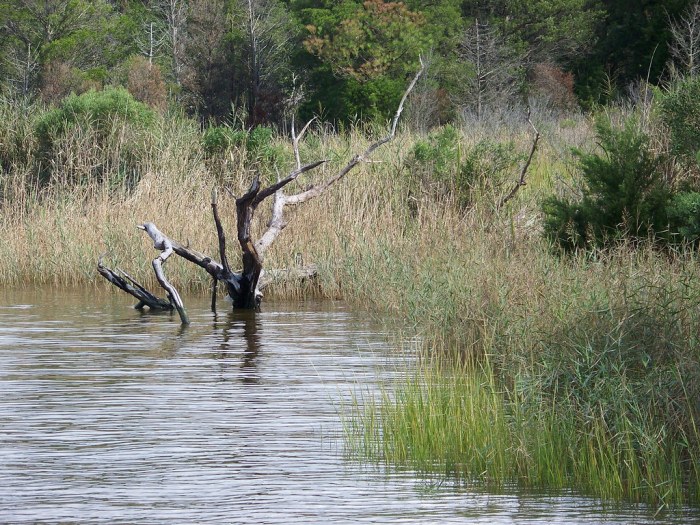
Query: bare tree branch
point(315, 191)
point(277, 222)
point(273, 188)
point(161, 242)
point(296, 138)
point(219, 231)
point(685, 40)
point(133, 288)
point(523, 172)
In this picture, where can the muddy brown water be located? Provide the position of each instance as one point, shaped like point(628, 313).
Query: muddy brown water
point(110, 416)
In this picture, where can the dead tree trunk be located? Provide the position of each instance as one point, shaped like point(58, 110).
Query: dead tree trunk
point(243, 287)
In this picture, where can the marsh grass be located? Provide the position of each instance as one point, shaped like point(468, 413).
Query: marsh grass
point(572, 373)
point(577, 372)
point(455, 419)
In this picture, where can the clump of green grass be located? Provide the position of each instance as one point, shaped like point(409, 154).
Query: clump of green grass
point(456, 420)
point(592, 375)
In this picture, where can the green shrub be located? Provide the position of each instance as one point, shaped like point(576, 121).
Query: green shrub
point(17, 138)
point(218, 139)
point(486, 166)
point(260, 138)
point(684, 216)
point(440, 152)
point(264, 153)
point(623, 193)
point(564, 223)
point(97, 109)
point(465, 172)
point(93, 121)
point(680, 111)
point(259, 143)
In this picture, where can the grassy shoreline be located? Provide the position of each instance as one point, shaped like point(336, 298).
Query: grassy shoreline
point(462, 424)
point(579, 371)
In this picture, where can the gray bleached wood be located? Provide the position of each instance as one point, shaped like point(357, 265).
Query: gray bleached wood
point(125, 282)
point(160, 242)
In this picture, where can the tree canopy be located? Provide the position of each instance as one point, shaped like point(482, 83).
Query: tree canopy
point(224, 59)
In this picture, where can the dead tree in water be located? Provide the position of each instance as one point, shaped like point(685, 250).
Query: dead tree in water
point(243, 286)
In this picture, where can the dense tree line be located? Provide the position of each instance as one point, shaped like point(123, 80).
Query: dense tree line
point(252, 60)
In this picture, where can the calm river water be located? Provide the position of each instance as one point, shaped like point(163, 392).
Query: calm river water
point(111, 416)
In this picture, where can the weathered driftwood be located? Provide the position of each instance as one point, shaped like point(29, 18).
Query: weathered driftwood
point(161, 242)
point(125, 282)
point(243, 287)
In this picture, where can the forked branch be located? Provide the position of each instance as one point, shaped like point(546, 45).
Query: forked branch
point(161, 242)
point(277, 222)
point(125, 282)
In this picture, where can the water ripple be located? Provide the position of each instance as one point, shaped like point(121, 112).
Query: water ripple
point(110, 416)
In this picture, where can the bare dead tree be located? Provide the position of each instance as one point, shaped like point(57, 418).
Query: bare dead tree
point(24, 65)
point(685, 41)
point(209, 73)
point(495, 70)
point(175, 14)
point(152, 39)
point(243, 286)
point(268, 32)
point(427, 100)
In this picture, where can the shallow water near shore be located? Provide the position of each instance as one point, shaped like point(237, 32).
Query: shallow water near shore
point(111, 416)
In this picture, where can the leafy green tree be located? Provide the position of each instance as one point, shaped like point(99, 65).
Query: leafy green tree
point(365, 51)
point(36, 32)
point(632, 42)
point(374, 41)
point(544, 30)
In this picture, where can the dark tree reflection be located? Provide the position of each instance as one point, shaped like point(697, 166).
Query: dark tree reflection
point(233, 325)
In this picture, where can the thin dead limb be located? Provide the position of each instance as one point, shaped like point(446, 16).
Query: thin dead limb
point(521, 181)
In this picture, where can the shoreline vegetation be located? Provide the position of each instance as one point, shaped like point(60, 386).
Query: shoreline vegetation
point(552, 370)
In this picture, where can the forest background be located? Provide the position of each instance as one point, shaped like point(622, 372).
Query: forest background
point(346, 60)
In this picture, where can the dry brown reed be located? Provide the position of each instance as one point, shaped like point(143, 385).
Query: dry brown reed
point(54, 232)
